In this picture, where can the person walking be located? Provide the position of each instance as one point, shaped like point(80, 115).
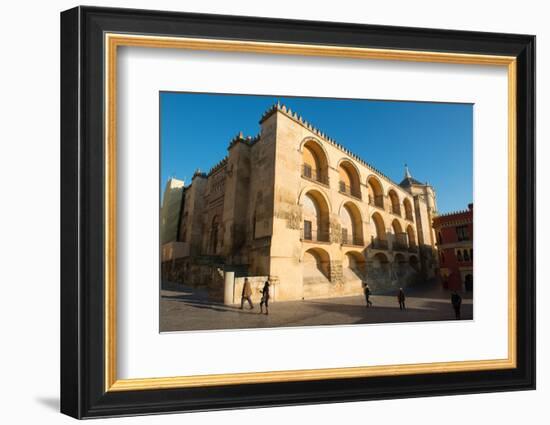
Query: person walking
point(456, 301)
point(401, 299)
point(265, 298)
point(247, 293)
point(366, 290)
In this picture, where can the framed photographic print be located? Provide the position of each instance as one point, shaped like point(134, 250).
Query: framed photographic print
point(261, 212)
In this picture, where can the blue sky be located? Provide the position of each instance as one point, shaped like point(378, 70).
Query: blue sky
point(434, 139)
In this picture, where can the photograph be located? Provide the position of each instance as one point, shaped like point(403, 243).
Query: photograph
point(294, 183)
point(284, 211)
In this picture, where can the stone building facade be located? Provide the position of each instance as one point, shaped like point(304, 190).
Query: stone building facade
point(455, 242)
point(294, 205)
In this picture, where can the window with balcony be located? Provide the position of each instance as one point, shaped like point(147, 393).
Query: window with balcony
point(316, 216)
point(376, 193)
point(314, 162)
point(349, 179)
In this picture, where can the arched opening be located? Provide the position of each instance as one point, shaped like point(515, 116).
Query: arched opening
point(399, 242)
point(314, 162)
point(469, 283)
point(466, 255)
point(395, 206)
point(316, 217)
point(378, 232)
point(408, 209)
point(349, 182)
point(413, 262)
point(354, 266)
point(400, 259)
point(411, 239)
point(376, 194)
point(214, 229)
point(381, 261)
point(379, 270)
point(352, 224)
point(400, 265)
point(316, 265)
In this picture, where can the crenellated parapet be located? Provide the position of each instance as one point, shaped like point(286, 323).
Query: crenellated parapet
point(199, 173)
point(218, 166)
point(239, 138)
point(278, 107)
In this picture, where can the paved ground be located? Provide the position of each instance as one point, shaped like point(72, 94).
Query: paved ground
point(184, 309)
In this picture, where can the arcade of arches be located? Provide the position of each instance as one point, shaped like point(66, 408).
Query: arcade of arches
point(331, 263)
point(297, 206)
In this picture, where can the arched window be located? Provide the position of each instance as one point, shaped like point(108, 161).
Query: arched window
point(348, 179)
point(376, 194)
point(399, 237)
point(395, 207)
point(314, 162)
point(378, 231)
point(316, 217)
point(459, 255)
point(352, 224)
point(466, 255)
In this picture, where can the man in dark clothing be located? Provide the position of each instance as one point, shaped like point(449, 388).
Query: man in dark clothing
point(366, 289)
point(401, 299)
point(265, 298)
point(247, 293)
point(456, 301)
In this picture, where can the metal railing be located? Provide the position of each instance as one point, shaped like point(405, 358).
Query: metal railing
point(348, 190)
point(316, 236)
point(316, 175)
point(379, 243)
point(376, 201)
point(399, 246)
point(357, 241)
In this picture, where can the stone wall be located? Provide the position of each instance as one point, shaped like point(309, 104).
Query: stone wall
point(256, 284)
point(208, 276)
point(387, 277)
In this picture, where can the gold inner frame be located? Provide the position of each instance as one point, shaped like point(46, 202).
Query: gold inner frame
point(113, 41)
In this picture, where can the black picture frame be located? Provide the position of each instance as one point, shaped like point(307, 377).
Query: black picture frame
point(83, 392)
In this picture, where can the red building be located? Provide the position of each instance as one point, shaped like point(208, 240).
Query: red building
point(455, 242)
